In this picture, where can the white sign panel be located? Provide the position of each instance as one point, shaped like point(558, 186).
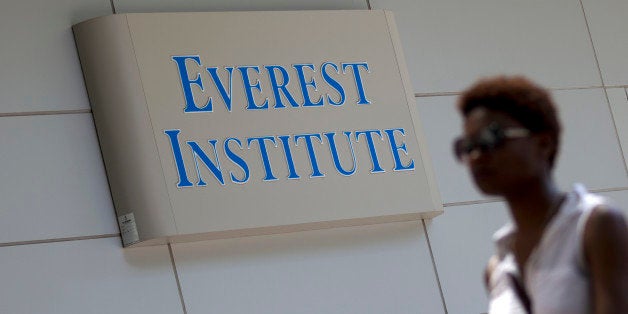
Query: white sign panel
point(218, 125)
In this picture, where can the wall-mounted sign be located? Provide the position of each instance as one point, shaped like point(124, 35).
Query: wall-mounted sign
point(229, 124)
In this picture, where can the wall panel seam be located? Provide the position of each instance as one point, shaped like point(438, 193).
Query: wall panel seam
point(55, 240)
point(497, 200)
point(429, 246)
point(113, 6)
point(44, 113)
point(176, 277)
point(436, 94)
point(608, 102)
point(586, 24)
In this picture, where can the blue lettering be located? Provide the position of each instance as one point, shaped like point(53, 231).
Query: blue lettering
point(368, 134)
point(358, 79)
point(394, 148)
point(214, 168)
point(310, 150)
point(333, 83)
point(264, 154)
point(277, 88)
point(186, 84)
point(292, 173)
point(334, 153)
point(248, 88)
point(226, 96)
point(236, 160)
point(178, 158)
point(307, 102)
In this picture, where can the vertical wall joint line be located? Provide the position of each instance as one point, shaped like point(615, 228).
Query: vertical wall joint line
point(608, 101)
point(597, 62)
point(176, 277)
point(429, 246)
point(113, 6)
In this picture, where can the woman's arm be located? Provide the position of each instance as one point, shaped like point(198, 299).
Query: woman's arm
point(606, 252)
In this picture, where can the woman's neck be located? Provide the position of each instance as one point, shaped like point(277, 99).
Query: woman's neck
point(533, 206)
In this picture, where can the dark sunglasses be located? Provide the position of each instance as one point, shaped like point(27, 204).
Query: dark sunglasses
point(487, 140)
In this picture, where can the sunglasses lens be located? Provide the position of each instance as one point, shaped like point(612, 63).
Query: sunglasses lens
point(487, 140)
point(462, 148)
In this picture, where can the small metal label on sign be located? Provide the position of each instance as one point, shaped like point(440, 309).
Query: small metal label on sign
point(128, 229)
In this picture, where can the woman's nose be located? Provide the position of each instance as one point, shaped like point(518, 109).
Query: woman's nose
point(475, 154)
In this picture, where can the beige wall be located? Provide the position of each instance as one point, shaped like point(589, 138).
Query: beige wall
point(60, 250)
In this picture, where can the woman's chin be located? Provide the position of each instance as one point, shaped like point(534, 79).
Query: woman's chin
point(489, 188)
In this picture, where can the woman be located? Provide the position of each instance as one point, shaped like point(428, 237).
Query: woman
point(562, 252)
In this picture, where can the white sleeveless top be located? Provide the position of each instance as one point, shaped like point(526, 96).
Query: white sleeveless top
point(557, 280)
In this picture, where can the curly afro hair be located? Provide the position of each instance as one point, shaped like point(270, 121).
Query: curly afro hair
point(521, 99)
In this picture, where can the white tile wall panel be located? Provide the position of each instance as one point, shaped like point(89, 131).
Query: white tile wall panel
point(88, 276)
point(441, 124)
point(587, 126)
point(40, 66)
point(52, 179)
point(609, 31)
point(619, 199)
point(618, 99)
point(590, 150)
point(128, 6)
point(369, 269)
point(461, 241)
point(448, 44)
